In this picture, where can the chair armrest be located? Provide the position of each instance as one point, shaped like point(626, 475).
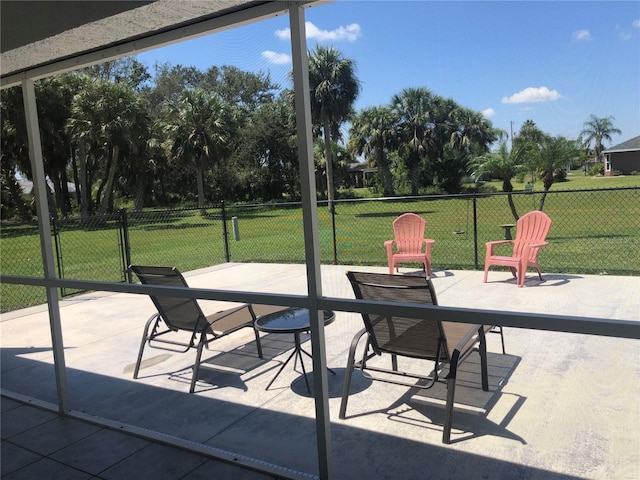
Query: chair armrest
point(389, 245)
point(429, 242)
point(538, 245)
point(531, 249)
point(491, 245)
point(466, 342)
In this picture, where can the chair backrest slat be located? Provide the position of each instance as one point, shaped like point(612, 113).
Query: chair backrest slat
point(532, 227)
point(178, 313)
point(413, 337)
point(408, 230)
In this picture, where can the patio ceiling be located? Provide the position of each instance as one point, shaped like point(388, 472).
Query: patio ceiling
point(40, 38)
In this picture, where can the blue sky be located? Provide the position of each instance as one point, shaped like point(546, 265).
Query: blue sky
point(552, 62)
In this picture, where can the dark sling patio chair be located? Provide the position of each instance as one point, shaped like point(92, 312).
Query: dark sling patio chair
point(420, 338)
point(184, 314)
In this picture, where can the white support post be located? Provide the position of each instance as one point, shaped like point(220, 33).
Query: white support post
point(42, 209)
point(311, 241)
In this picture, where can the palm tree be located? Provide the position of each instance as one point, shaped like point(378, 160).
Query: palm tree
point(469, 134)
point(124, 126)
point(373, 133)
point(199, 126)
point(597, 130)
point(413, 108)
point(553, 155)
point(334, 88)
point(472, 131)
point(84, 127)
point(529, 133)
point(502, 165)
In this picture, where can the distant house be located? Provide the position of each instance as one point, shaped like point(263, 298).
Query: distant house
point(624, 158)
point(360, 175)
point(27, 186)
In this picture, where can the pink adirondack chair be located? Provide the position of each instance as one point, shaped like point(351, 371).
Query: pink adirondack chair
point(410, 244)
point(531, 233)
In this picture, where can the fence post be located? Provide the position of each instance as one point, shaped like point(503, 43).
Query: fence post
point(225, 234)
point(475, 229)
point(332, 211)
point(124, 221)
point(56, 243)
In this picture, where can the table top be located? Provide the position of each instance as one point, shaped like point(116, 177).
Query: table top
point(291, 320)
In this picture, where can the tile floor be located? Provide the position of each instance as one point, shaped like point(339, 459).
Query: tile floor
point(38, 444)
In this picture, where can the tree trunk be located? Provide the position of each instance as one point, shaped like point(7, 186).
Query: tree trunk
point(542, 199)
point(507, 187)
point(200, 182)
point(84, 187)
point(414, 173)
point(76, 176)
point(66, 196)
point(140, 185)
point(547, 181)
point(387, 178)
point(108, 187)
point(512, 206)
point(329, 160)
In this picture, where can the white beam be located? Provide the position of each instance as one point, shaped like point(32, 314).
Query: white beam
point(42, 209)
point(311, 239)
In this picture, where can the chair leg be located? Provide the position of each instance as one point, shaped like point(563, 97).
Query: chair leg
point(427, 268)
point(259, 345)
point(196, 365)
point(482, 349)
point(486, 272)
point(539, 273)
point(145, 337)
point(522, 273)
point(451, 389)
point(499, 330)
point(349, 373)
point(394, 362)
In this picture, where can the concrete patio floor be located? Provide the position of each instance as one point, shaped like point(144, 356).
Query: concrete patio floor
point(560, 406)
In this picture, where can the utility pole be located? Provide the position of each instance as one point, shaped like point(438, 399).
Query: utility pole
point(511, 123)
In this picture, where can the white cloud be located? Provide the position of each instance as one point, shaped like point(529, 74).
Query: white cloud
point(532, 95)
point(488, 112)
point(636, 23)
point(276, 58)
point(283, 34)
point(581, 35)
point(350, 33)
point(624, 36)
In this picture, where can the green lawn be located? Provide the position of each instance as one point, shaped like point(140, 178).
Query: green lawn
point(576, 180)
point(592, 232)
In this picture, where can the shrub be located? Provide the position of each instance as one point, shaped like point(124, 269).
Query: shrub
point(597, 169)
point(432, 190)
point(560, 175)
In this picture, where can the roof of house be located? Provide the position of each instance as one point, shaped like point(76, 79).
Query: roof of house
point(631, 145)
point(361, 167)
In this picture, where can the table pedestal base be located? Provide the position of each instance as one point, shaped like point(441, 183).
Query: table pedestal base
point(297, 353)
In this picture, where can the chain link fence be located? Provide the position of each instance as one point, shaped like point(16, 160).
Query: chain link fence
point(593, 232)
